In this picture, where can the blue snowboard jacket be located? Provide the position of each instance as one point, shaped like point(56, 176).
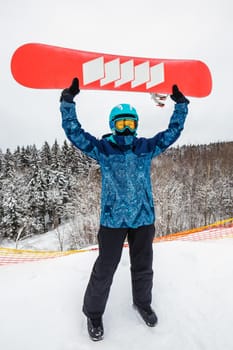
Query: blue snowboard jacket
point(125, 162)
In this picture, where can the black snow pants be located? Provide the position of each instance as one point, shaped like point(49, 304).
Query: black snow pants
point(111, 241)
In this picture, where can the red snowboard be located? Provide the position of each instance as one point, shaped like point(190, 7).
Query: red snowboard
point(50, 67)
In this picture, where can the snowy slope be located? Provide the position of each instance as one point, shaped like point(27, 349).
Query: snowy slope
point(41, 302)
point(47, 241)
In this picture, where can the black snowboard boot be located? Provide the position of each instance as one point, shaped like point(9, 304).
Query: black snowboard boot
point(95, 328)
point(148, 315)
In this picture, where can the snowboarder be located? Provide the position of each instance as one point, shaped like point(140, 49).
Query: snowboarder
point(127, 210)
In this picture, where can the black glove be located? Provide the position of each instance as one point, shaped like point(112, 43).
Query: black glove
point(68, 94)
point(177, 96)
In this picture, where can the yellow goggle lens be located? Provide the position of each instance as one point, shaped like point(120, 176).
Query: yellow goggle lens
point(123, 123)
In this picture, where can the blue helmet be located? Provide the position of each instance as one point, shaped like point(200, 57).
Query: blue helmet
point(122, 111)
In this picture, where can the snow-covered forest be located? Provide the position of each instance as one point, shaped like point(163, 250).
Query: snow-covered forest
point(42, 189)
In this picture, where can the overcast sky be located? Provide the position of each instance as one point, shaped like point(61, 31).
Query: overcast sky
point(200, 29)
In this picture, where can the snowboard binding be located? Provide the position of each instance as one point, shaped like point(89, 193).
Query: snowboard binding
point(159, 99)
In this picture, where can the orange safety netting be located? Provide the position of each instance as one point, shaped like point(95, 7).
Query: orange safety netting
point(221, 229)
point(15, 256)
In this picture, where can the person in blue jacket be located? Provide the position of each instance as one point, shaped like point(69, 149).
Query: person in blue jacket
point(127, 209)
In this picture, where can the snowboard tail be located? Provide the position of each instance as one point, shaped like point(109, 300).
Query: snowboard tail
point(41, 66)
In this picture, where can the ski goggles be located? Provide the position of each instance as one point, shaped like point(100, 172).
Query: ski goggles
point(122, 124)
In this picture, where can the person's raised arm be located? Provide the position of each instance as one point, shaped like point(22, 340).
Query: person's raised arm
point(72, 127)
point(164, 139)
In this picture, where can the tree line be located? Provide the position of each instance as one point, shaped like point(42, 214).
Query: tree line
point(193, 186)
point(42, 189)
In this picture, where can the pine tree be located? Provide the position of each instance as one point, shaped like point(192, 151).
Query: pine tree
point(8, 164)
point(55, 156)
point(37, 201)
point(12, 219)
point(45, 155)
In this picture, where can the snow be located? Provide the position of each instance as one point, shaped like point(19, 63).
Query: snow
point(51, 240)
point(193, 286)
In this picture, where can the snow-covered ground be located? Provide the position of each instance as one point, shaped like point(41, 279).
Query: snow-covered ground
point(40, 303)
point(52, 240)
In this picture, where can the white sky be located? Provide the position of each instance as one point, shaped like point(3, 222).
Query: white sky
point(201, 29)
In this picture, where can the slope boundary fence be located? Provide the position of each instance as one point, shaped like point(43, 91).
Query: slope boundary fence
point(218, 230)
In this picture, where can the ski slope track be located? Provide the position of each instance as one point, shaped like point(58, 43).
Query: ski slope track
point(41, 301)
